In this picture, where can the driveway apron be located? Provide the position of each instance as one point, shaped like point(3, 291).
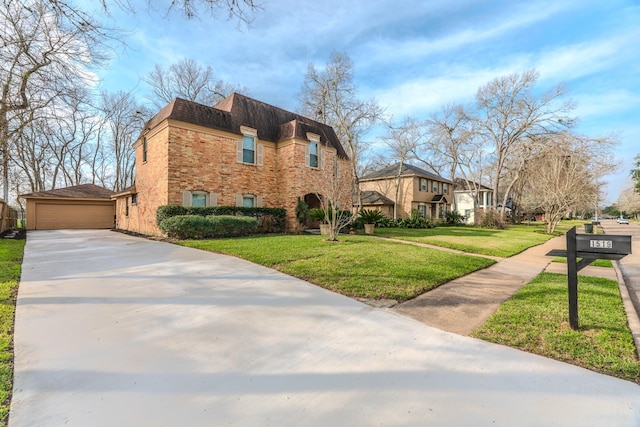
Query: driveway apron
point(115, 330)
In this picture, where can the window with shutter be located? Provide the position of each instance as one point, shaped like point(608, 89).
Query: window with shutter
point(313, 154)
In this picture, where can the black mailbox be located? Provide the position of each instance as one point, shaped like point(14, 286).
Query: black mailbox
point(603, 244)
point(589, 247)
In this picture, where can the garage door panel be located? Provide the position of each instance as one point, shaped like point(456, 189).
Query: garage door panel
point(52, 216)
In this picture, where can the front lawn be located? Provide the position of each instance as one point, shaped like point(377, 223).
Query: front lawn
point(357, 266)
point(502, 243)
point(10, 266)
point(535, 319)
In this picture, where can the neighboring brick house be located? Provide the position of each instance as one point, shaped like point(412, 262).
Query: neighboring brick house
point(240, 152)
point(429, 194)
point(471, 197)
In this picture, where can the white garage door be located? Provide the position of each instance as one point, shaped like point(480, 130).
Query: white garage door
point(53, 216)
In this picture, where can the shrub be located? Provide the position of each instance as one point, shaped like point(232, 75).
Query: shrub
point(454, 218)
point(371, 216)
point(489, 219)
point(302, 212)
point(416, 220)
point(316, 214)
point(387, 222)
point(269, 219)
point(203, 227)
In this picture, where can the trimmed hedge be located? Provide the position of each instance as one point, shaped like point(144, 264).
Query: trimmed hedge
point(270, 220)
point(204, 227)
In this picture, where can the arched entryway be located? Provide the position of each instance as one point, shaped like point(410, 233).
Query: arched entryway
point(312, 200)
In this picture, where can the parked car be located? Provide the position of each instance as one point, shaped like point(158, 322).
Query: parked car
point(623, 221)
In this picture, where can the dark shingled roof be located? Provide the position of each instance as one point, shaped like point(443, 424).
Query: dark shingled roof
point(372, 197)
point(407, 169)
point(439, 198)
point(83, 191)
point(461, 184)
point(272, 123)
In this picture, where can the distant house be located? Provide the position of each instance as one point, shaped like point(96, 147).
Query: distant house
point(470, 197)
point(240, 152)
point(417, 189)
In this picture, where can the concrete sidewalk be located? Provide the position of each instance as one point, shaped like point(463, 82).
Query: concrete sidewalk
point(462, 305)
point(114, 330)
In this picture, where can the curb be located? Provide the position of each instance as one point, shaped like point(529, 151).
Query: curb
point(633, 318)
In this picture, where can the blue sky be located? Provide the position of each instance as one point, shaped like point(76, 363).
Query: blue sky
point(413, 56)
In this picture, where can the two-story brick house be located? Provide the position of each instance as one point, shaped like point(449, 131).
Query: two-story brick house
point(417, 189)
point(240, 152)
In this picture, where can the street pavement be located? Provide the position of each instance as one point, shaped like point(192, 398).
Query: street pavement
point(116, 330)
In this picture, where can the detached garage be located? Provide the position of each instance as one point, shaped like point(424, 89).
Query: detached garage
point(80, 206)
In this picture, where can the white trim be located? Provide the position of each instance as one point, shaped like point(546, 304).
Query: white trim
point(313, 137)
point(245, 130)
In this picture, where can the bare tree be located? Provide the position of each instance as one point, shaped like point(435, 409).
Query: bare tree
point(403, 142)
point(330, 97)
point(509, 115)
point(238, 9)
point(563, 176)
point(46, 47)
point(635, 173)
point(333, 189)
point(451, 146)
point(123, 121)
point(189, 80)
point(629, 202)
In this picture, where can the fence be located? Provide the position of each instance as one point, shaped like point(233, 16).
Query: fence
point(8, 217)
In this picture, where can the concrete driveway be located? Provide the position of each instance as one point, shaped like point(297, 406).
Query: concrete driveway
point(114, 330)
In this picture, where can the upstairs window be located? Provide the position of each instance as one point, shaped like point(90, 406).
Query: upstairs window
point(423, 184)
point(134, 199)
point(313, 154)
point(435, 187)
point(248, 149)
point(445, 188)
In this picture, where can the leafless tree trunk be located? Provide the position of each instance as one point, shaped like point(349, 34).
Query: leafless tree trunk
point(330, 97)
point(333, 189)
point(510, 115)
point(47, 47)
point(123, 120)
point(563, 175)
point(403, 142)
point(450, 143)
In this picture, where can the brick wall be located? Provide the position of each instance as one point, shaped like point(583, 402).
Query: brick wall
point(190, 158)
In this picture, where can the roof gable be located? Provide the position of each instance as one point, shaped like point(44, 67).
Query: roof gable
point(83, 191)
point(407, 170)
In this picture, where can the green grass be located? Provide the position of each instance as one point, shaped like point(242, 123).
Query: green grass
point(597, 263)
point(10, 266)
point(356, 266)
point(502, 243)
point(535, 319)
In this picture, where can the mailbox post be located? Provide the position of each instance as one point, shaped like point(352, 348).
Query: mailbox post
point(589, 247)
